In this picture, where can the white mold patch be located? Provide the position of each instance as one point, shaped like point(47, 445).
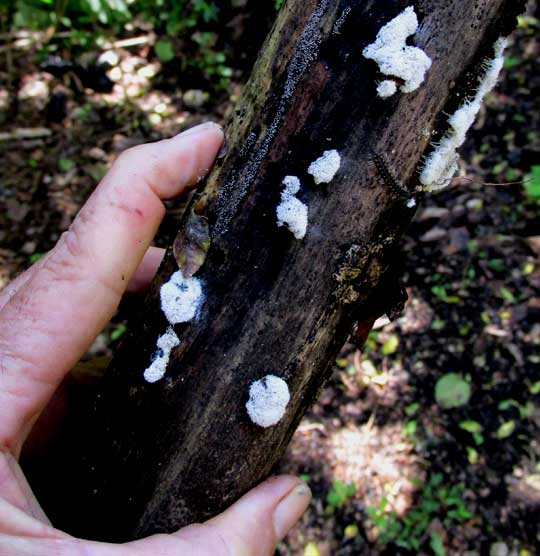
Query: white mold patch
point(291, 212)
point(386, 88)
point(442, 164)
point(181, 298)
point(395, 58)
point(268, 400)
point(165, 344)
point(325, 167)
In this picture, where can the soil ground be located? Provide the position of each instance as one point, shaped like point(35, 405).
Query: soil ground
point(472, 271)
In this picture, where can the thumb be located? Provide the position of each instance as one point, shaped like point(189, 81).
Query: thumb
point(256, 523)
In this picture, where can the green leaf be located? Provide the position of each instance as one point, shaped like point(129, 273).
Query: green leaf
point(532, 183)
point(438, 324)
point(506, 430)
point(35, 257)
point(96, 171)
point(164, 51)
point(411, 409)
point(410, 428)
point(351, 531)
point(471, 426)
point(439, 291)
point(478, 439)
point(535, 388)
point(507, 295)
point(472, 455)
point(436, 544)
point(65, 164)
point(390, 346)
point(118, 332)
point(507, 404)
point(452, 391)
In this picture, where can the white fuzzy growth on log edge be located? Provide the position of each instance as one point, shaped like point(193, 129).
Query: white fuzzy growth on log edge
point(442, 164)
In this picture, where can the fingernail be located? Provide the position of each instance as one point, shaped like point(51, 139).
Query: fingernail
point(224, 148)
point(291, 509)
point(199, 128)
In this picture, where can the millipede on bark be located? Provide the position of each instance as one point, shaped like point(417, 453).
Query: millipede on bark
point(389, 178)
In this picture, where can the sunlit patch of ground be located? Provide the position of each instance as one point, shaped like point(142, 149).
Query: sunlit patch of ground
point(379, 461)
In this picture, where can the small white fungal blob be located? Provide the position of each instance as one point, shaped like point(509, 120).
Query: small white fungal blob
point(181, 298)
point(268, 399)
point(291, 212)
point(411, 203)
point(165, 344)
point(442, 164)
point(386, 88)
point(325, 167)
point(394, 57)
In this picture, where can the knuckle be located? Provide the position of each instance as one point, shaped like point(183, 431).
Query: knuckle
point(64, 262)
point(211, 539)
point(158, 167)
point(129, 156)
point(234, 543)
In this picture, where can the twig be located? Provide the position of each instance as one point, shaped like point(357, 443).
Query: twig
point(25, 133)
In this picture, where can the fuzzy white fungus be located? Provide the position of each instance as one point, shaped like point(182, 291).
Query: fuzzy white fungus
point(442, 164)
point(181, 298)
point(386, 88)
point(158, 367)
point(395, 58)
point(325, 167)
point(291, 212)
point(268, 399)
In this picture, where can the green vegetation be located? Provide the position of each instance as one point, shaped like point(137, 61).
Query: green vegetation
point(440, 292)
point(117, 332)
point(532, 184)
point(452, 391)
point(338, 495)
point(391, 345)
point(311, 549)
point(506, 429)
point(187, 31)
point(475, 429)
point(413, 530)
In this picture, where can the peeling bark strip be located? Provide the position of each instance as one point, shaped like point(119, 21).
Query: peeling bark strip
point(147, 457)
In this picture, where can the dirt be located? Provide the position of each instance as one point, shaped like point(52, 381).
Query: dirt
point(471, 268)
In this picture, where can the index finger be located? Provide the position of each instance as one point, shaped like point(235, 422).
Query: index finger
point(53, 318)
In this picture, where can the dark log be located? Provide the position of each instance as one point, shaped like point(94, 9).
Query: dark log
point(144, 458)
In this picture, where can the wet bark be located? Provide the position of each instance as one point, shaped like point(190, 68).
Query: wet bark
point(139, 458)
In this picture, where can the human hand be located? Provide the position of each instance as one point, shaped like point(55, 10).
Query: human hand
point(52, 313)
